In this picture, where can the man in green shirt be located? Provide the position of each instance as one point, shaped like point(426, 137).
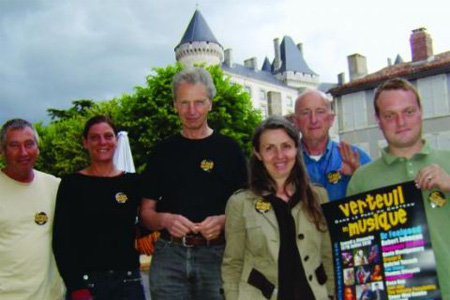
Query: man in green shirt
point(408, 157)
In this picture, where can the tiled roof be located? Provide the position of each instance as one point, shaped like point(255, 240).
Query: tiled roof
point(436, 64)
point(292, 58)
point(198, 31)
point(254, 74)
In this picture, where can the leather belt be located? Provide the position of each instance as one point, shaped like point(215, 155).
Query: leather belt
point(194, 240)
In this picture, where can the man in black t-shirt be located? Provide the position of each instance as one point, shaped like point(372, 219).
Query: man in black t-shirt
point(189, 179)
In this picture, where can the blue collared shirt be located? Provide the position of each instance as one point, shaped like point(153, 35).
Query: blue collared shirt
point(326, 171)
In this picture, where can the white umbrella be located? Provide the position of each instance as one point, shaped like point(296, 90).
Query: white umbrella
point(123, 160)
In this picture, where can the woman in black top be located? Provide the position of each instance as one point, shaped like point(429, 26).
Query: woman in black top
point(94, 228)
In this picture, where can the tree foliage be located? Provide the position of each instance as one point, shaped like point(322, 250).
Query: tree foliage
point(80, 107)
point(147, 115)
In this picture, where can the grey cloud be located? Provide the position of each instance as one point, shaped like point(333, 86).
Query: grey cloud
point(54, 52)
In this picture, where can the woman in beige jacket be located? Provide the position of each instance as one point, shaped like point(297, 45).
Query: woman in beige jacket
point(277, 243)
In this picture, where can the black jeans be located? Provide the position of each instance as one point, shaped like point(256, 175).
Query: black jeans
point(115, 285)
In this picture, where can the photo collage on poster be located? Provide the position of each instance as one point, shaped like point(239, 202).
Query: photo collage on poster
point(381, 245)
point(363, 273)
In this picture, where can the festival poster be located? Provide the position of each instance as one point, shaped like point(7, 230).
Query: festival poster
point(381, 245)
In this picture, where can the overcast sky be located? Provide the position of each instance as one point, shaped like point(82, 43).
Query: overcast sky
point(54, 52)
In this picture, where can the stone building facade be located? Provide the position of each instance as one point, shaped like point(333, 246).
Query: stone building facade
point(273, 88)
point(428, 72)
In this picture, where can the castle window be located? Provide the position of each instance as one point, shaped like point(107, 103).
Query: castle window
point(289, 102)
point(354, 111)
point(248, 90)
point(434, 94)
point(262, 94)
point(439, 140)
point(264, 111)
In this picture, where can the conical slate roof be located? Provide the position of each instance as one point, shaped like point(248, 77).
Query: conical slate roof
point(198, 31)
point(398, 60)
point(292, 58)
point(266, 65)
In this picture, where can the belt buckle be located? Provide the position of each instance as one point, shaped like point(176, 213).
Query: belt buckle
point(183, 242)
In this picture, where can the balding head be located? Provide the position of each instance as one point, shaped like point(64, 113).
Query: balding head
point(311, 95)
point(313, 116)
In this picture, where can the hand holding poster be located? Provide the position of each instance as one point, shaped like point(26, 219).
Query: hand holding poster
point(381, 245)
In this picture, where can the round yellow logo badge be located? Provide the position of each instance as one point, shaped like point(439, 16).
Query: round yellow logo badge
point(334, 177)
point(207, 165)
point(40, 218)
point(262, 206)
point(121, 197)
point(437, 199)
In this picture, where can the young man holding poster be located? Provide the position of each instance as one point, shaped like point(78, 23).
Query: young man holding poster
point(408, 157)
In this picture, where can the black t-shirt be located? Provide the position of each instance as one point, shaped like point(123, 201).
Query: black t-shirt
point(194, 178)
point(94, 228)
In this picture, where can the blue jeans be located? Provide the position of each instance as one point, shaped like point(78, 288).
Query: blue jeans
point(184, 273)
point(115, 285)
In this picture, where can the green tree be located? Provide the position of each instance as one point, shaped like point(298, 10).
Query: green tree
point(60, 142)
point(148, 116)
point(80, 107)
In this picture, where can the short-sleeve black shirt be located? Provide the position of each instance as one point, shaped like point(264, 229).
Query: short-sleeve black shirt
point(94, 227)
point(192, 177)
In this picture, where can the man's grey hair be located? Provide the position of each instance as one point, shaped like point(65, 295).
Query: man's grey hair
point(322, 95)
point(14, 124)
point(194, 76)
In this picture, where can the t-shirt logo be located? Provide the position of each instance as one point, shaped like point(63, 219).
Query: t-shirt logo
point(40, 218)
point(207, 165)
point(121, 197)
point(262, 206)
point(437, 199)
point(334, 177)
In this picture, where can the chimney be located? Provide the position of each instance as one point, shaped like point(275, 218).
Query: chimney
point(277, 60)
point(357, 66)
point(389, 62)
point(300, 47)
point(251, 63)
point(421, 44)
point(341, 78)
point(228, 53)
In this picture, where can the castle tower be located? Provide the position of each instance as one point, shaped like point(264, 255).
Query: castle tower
point(198, 44)
point(292, 68)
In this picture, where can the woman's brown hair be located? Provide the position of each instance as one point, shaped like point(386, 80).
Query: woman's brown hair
point(261, 183)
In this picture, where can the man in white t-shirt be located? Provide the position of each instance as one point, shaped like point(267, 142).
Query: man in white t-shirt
point(27, 201)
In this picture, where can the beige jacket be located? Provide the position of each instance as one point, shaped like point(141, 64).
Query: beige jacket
point(252, 242)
